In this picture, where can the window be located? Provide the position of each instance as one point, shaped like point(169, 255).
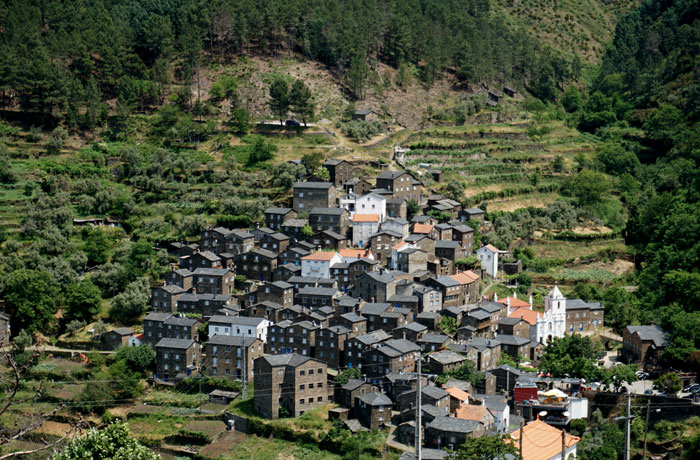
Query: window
point(302, 372)
point(320, 399)
point(301, 401)
point(311, 371)
point(302, 387)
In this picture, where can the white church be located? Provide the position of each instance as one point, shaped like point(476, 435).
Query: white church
point(553, 322)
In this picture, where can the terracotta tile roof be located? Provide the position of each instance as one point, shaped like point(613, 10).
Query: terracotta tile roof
point(466, 277)
point(541, 441)
point(365, 217)
point(514, 302)
point(422, 228)
point(491, 248)
point(528, 315)
point(356, 253)
point(458, 393)
point(398, 245)
point(470, 412)
point(320, 255)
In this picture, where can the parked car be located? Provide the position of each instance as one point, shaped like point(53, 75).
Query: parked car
point(690, 388)
point(648, 392)
point(292, 123)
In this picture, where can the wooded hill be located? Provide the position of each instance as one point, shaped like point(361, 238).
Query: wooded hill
point(66, 59)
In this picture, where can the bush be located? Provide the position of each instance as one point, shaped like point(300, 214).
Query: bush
point(360, 130)
point(578, 427)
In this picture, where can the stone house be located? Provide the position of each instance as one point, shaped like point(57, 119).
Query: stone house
point(203, 259)
point(401, 185)
point(397, 208)
point(475, 214)
point(239, 242)
point(164, 298)
point(330, 240)
point(464, 236)
point(351, 390)
point(230, 357)
point(410, 331)
point(405, 301)
point(293, 337)
point(289, 385)
point(449, 289)
point(375, 286)
point(276, 217)
point(258, 264)
point(357, 186)
point(643, 344)
point(382, 243)
point(316, 297)
point(180, 277)
point(411, 260)
point(334, 219)
point(309, 195)
point(373, 410)
point(422, 241)
point(430, 395)
point(449, 250)
point(433, 342)
point(295, 227)
point(340, 171)
point(279, 292)
point(203, 304)
point(286, 271)
point(396, 225)
point(330, 345)
point(515, 346)
point(514, 326)
point(356, 323)
point(444, 232)
point(357, 346)
point(429, 319)
point(451, 432)
point(583, 316)
point(506, 377)
point(176, 358)
point(292, 255)
point(443, 361)
point(393, 356)
point(180, 327)
point(116, 338)
point(266, 309)
point(480, 321)
point(213, 281)
point(275, 242)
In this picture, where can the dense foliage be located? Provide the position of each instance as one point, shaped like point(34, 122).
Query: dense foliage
point(65, 59)
point(644, 104)
point(113, 443)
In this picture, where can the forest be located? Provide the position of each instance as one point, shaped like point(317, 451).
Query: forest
point(77, 62)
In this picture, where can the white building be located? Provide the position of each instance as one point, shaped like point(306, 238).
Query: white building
point(364, 226)
point(553, 322)
point(319, 264)
point(488, 255)
point(239, 326)
point(371, 204)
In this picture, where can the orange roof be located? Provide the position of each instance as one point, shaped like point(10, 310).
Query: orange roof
point(458, 393)
point(491, 247)
point(365, 217)
point(470, 412)
point(541, 441)
point(422, 228)
point(139, 336)
point(466, 277)
point(528, 315)
point(320, 255)
point(357, 253)
point(514, 302)
point(398, 245)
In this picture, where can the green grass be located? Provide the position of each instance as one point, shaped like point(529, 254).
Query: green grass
point(275, 449)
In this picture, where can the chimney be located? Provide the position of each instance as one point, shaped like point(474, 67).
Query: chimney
point(515, 294)
point(495, 297)
point(531, 301)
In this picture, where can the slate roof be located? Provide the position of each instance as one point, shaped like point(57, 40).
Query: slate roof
point(180, 344)
point(181, 321)
point(230, 340)
point(453, 425)
point(171, 288)
point(479, 314)
point(211, 271)
point(289, 359)
point(237, 320)
point(123, 331)
point(446, 281)
point(353, 317)
point(578, 304)
point(374, 308)
point(380, 277)
point(353, 384)
point(446, 357)
point(282, 285)
point(274, 210)
point(434, 338)
point(512, 340)
point(327, 211)
point(314, 185)
point(651, 333)
point(414, 327)
point(375, 399)
point(318, 291)
point(391, 174)
point(155, 316)
point(403, 346)
point(426, 454)
point(373, 337)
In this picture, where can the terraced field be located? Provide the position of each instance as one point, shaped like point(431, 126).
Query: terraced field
point(505, 164)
